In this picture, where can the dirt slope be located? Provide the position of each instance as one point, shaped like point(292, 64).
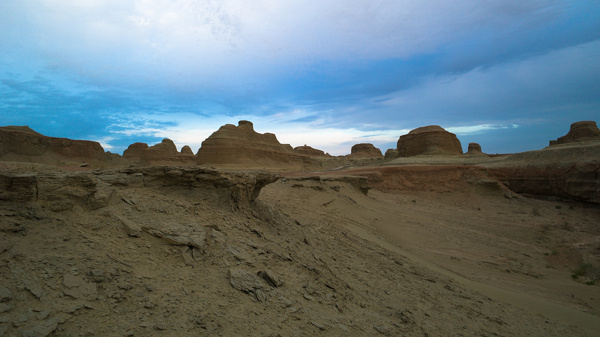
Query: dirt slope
point(193, 251)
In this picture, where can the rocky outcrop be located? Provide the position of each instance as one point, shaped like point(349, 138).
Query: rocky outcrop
point(579, 132)
point(474, 148)
point(163, 152)
point(242, 145)
point(21, 141)
point(62, 191)
point(391, 154)
point(569, 172)
point(429, 140)
point(365, 150)
point(309, 151)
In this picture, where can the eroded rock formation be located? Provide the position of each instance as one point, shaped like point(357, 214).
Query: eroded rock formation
point(569, 172)
point(309, 151)
point(391, 154)
point(474, 148)
point(21, 141)
point(242, 145)
point(163, 152)
point(365, 150)
point(579, 132)
point(429, 140)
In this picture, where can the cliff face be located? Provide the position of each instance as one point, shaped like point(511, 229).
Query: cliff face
point(23, 141)
point(428, 140)
point(242, 145)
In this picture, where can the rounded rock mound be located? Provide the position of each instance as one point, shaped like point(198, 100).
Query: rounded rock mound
point(429, 140)
point(365, 150)
point(309, 151)
point(474, 148)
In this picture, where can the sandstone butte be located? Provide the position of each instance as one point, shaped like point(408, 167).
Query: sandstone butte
point(428, 140)
point(309, 151)
point(163, 152)
point(242, 145)
point(21, 143)
point(366, 150)
point(474, 148)
point(579, 132)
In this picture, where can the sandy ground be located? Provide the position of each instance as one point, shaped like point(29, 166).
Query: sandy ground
point(458, 258)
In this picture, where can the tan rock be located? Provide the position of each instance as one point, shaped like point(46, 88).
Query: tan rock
point(365, 150)
point(163, 152)
point(242, 145)
point(309, 151)
point(474, 148)
point(429, 140)
point(579, 132)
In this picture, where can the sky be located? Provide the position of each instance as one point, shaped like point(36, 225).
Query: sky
point(508, 74)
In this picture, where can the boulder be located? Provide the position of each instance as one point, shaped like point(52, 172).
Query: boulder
point(429, 140)
point(242, 145)
point(365, 150)
point(163, 152)
point(474, 148)
point(309, 151)
point(579, 132)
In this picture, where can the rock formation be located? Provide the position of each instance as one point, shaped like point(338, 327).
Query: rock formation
point(391, 154)
point(428, 140)
point(242, 145)
point(474, 148)
point(579, 132)
point(163, 152)
point(20, 143)
point(309, 151)
point(567, 172)
point(365, 150)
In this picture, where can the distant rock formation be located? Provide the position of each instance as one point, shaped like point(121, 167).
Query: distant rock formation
point(309, 151)
point(579, 132)
point(474, 148)
point(391, 154)
point(242, 145)
point(429, 140)
point(365, 150)
point(163, 152)
point(20, 143)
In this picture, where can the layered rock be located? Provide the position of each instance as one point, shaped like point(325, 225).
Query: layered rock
point(429, 140)
point(365, 150)
point(474, 149)
point(23, 141)
point(163, 152)
point(242, 145)
point(569, 172)
point(309, 151)
point(579, 132)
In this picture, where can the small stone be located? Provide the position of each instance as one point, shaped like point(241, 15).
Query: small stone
point(130, 227)
point(318, 325)
point(34, 288)
point(6, 307)
point(270, 277)
point(260, 296)
point(244, 281)
point(5, 294)
point(381, 328)
point(43, 315)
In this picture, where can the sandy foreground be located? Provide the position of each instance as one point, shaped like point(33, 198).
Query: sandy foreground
point(195, 251)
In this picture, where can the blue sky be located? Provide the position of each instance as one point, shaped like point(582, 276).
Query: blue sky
point(510, 75)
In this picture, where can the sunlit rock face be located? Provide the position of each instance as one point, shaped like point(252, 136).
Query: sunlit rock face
point(242, 145)
point(428, 140)
point(579, 132)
